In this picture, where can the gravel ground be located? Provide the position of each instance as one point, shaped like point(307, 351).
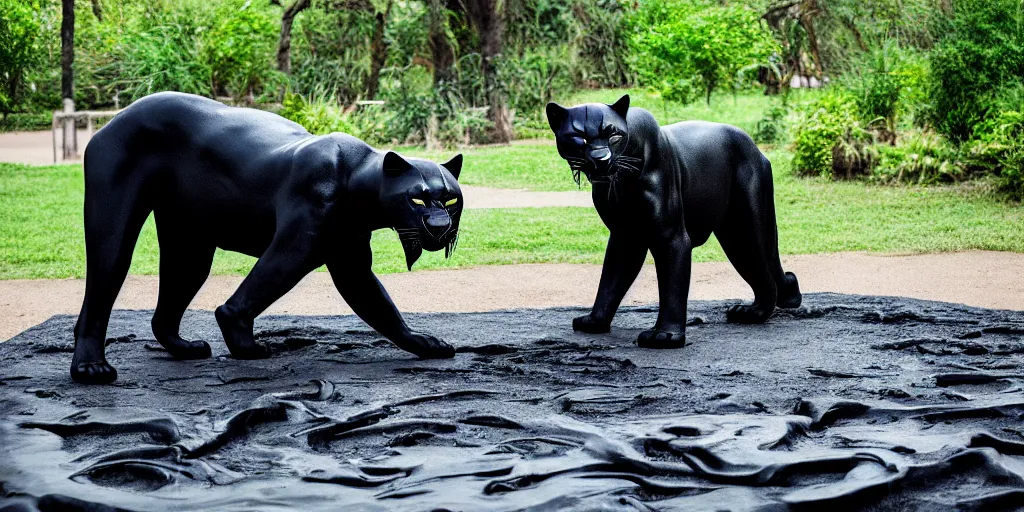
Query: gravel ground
point(976, 278)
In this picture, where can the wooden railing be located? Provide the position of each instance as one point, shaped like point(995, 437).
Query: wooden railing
point(63, 118)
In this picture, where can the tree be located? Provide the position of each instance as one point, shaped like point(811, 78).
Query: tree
point(698, 47)
point(488, 18)
point(67, 74)
point(284, 45)
point(19, 48)
point(378, 47)
point(67, 50)
point(442, 55)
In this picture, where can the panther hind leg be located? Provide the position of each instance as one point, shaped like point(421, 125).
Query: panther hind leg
point(749, 238)
point(185, 262)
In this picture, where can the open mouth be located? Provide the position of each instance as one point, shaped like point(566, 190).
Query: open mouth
point(413, 243)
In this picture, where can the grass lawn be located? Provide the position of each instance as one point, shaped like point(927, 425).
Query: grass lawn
point(41, 221)
point(535, 165)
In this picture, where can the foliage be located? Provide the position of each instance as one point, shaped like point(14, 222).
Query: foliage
point(327, 59)
point(689, 48)
point(239, 50)
point(981, 52)
point(161, 50)
point(876, 85)
point(998, 149)
point(824, 125)
point(771, 128)
point(920, 157)
point(320, 115)
point(20, 48)
point(422, 113)
point(601, 42)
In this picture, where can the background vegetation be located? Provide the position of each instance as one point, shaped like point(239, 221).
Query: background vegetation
point(924, 91)
point(928, 93)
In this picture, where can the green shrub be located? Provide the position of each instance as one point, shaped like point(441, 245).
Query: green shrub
point(771, 128)
point(998, 149)
point(920, 157)
point(823, 126)
point(688, 48)
point(18, 122)
point(320, 115)
point(240, 49)
point(160, 51)
point(20, 47)
point(982, 52)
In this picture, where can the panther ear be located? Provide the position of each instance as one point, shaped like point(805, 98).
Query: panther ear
point(621, 107)
point(556, 116)
point(394, 164)
point(454, 165)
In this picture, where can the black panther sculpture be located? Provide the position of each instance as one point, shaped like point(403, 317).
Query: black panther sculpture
point(253, 182)
point(666, 189)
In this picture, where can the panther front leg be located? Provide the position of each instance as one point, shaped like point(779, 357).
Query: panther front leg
point(351, 271)
point(290, 256)
point(623, 260)
point(672, 262)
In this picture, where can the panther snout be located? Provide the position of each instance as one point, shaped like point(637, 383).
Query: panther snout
point(437, 224)
point(600, 154)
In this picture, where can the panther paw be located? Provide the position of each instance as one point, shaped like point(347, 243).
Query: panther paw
point(747, 314)
point(588, 324)
point(427, 347)
point(659, 339)
point(99, 372)
point(249, 351)
point(187, 350)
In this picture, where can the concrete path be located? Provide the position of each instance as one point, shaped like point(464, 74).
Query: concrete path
point(977, 278)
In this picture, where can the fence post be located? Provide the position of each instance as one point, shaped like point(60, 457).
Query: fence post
point(70, 131)
point(89, 121)
point(53, 132)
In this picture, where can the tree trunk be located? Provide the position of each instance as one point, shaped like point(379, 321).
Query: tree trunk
point(67, 50)
point(378, 51)
point(808, 10)
point(852, 27)
point(488, 18)
point(97, 10)
point(284, 45)
point(67, 74)
point(442, 56)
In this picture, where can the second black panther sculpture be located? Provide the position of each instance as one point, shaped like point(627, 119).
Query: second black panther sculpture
point(252, 182)
point(666, 189)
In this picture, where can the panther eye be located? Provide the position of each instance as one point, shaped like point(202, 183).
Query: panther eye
point(419, 202)
point(451, 201)
point(615, 139)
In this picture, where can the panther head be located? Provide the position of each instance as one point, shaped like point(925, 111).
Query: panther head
point(425, 202)
point(593, 138)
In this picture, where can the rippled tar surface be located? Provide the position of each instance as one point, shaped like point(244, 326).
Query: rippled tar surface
point(848, 402)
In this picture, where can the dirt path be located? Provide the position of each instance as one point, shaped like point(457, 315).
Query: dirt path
point(35, 148)
point(32, 148)
point(977, 278)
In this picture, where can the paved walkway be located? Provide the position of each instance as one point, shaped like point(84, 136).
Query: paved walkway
point(977, 278)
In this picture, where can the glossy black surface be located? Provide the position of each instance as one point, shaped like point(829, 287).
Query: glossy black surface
point(666, 190)
point(846, 403)
point(249, 181)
